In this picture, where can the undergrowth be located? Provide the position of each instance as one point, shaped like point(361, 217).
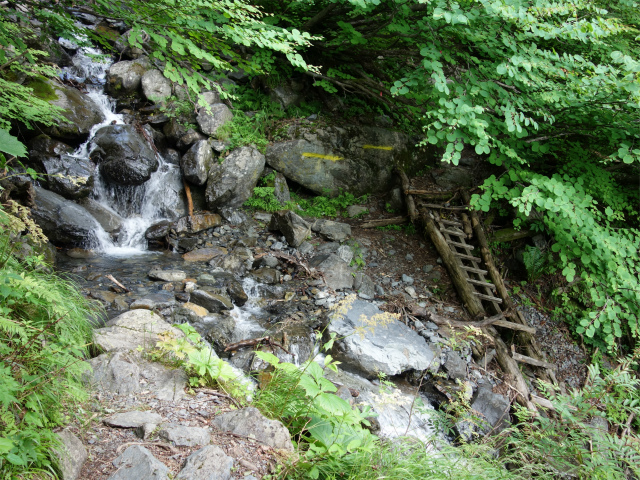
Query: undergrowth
point(44, 335)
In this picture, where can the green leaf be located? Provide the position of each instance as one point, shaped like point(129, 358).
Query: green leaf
point(11, 145)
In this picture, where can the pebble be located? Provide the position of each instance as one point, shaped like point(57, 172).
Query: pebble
point(407, 279)
point(409, 257)
point(385, 281)
point(287, 278)
point(277, 246)
point(427, 268)
point(394, 284)
point(411, 291)
point(379, 290)
point(391, 252)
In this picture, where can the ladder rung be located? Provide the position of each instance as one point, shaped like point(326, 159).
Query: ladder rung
point(487, 297)
point(450, 222)
point(474, 270)
point(467, 257)
point(454, 232)
point(481, 283)
point(461, 245)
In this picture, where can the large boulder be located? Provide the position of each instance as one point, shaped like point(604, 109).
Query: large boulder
point(356, 159)
point(80, 112)
point(208, 463)
point(124, 156)
point(292, 226)
point(332, 231)
point(106, 217)
point(196, 163)
point(197, 222)
point(249, 421)
point(62, 221)
point(136, 462)
point(337, 274)
point(232, 182)
point(70, 456)
point(155, 86)
point(65, 175)
point(124, 78)
point(212, 117)
point(373, 341)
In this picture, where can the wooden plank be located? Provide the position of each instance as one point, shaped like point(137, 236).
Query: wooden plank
point(451, 223)
point(442, 207)
point(474, 270)
point(467, 257)
point(532, 361)
point(515, 326)
point(487, 297)
point(481, 283)
point(384, 222)
point(461, 245)
point(458, 233)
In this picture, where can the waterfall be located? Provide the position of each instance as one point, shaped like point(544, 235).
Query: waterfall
point(139, 206)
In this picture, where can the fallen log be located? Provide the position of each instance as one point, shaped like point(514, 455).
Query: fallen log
point(429, 194)
point(383, 222)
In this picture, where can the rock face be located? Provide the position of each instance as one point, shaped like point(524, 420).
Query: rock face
point(357, 159)
point(249, 421)
point(107, 218)
point(52, 158)
point(138, 463)
point(210, 122)
point(337, 273)
point(208, 463)
point(493, 408)
point(292, 226)
point(196, 163)
point(232, 182)
point(81, 113)
point(64, 222)
point(155, 86)
point(71, 456)
point(389, 347)
point(124, 78)
point(124, 156)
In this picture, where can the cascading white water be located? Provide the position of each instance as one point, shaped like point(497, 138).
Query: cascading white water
point(139, 206)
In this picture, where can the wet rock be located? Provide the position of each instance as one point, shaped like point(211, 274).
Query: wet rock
point(208, 463)
point(65, 175)
point(214, 302)
point(197, 222)
point(62, 221)
point(172, 156)
point(337, 273)
point(249, 421)
point(267, 275)
point(356, 210)
point(232, 182)
point(107, 218)
point(237, 293)
point(178, 127)
point(218, 331)
point(80, 113)
point(167, 275)
point(493, 407)
point(132, 419)
point(154, 301)
point(386, 345)
point(455, 366)
point(107, 297)
point(356, 159)
point(187, 244)
point(330, 230)
point(124, 78)
point(126, 50)
point(292, 226)
point(81, 253)
point(197, 309)
point(155, 86)
point(204, 254)
point(196, 163)
point(212, 118)
point(71, 455)
point(124, 156)
point(137, 463)
point(182, 436)
point(281, 190)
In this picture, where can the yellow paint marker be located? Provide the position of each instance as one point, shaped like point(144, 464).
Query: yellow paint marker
point(376, 147)
point(333, 158)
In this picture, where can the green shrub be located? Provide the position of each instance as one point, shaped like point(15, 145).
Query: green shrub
point(44, 335)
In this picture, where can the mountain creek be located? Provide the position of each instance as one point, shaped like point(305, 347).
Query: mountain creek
point(125, 234)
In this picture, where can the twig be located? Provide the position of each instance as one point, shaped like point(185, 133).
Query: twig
point(208, 391)
point(110, 277)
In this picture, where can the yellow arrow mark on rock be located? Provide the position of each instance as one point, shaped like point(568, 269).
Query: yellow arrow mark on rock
point(377, 147)
point(333, 158)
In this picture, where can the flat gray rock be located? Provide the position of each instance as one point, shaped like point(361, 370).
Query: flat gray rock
point(455, 366)
point(116, 373)
point(249, 421)
point(373, 343)
point(337, 273)
point(133, 419)
point(137, 463)
point(167, 275)
point(185, 436)
point(155, 301)
point(330, 230)
point(71, 455)
point(133, 329)
point(208, 463)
